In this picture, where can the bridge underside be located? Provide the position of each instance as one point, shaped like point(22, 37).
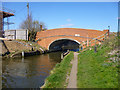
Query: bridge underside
point(64, 44)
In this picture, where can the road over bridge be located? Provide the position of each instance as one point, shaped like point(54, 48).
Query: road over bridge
point(55, 39)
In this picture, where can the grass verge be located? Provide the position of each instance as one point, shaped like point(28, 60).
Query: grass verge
point(57, 78)
point(94, 70)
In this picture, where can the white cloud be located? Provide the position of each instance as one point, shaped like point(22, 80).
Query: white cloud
point(66, 25)
point(68, 20)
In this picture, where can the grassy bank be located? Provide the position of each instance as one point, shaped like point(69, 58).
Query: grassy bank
point(15, 48)
point(57, 78)
point(99, 70)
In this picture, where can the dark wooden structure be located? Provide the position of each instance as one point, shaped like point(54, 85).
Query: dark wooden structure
point(2, 16)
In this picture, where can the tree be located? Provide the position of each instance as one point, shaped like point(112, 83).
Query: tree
point(32, 26)
point(36, 25)
point(27, 23)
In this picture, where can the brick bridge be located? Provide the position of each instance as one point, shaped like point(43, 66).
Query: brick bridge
point(52, 38)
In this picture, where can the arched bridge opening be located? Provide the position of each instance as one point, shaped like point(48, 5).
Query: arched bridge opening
point(64, 44)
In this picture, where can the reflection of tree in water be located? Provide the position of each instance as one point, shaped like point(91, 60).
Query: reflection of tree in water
point(28, 72)
point(6, 81)
point(7, 76)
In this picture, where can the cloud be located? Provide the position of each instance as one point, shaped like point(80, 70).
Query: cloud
point(68, 20)
point(66, 25)
point(118, 17)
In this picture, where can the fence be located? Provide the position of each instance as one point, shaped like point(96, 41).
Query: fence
point(97, 40)
point(16, 34)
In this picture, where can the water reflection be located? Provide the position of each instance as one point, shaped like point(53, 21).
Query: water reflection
point(29, 72)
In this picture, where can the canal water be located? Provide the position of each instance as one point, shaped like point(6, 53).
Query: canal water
point(28, 72)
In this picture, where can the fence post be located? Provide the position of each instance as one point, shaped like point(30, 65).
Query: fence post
point(62, 56)
point(22, 53)
point(89, 43)
point(95, 48)
point(104, 36)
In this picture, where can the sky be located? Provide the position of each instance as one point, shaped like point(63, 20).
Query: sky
point(87, 15)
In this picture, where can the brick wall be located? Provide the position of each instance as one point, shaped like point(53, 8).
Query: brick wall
point(45, 42)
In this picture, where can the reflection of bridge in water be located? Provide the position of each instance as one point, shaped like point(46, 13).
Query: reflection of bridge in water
point(69, 38)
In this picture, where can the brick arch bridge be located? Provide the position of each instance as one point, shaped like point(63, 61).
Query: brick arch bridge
point(80, 36)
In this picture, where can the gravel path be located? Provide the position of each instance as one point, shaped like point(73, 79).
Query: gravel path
point(73, 75)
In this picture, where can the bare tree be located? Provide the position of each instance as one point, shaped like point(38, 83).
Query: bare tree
point(33, 26)
point(27, 23)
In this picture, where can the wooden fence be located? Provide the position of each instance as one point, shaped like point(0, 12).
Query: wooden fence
point(92, 42)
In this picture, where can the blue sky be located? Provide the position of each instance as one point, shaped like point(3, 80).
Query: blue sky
point(88, 15)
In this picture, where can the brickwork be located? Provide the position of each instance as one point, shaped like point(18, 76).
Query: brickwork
point(45, 42)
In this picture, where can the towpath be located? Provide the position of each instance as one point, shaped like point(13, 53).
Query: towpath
point(73, 75)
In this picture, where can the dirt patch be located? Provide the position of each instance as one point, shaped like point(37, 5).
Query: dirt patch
point(3, 48)
point(14, 46)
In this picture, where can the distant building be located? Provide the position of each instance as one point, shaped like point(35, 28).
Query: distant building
point(2, 16)
point(16, 34)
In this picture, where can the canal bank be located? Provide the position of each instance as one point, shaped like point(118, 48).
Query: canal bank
point(14, 64)
point(58, 76)
point(100, 69)
point(19, 48)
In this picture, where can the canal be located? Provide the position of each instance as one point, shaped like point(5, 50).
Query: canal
point(28, 72)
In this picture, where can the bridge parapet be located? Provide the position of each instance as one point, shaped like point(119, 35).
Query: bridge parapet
point(45, 38)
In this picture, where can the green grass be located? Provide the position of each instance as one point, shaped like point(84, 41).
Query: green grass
point(57, 78)
point(94, 72)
